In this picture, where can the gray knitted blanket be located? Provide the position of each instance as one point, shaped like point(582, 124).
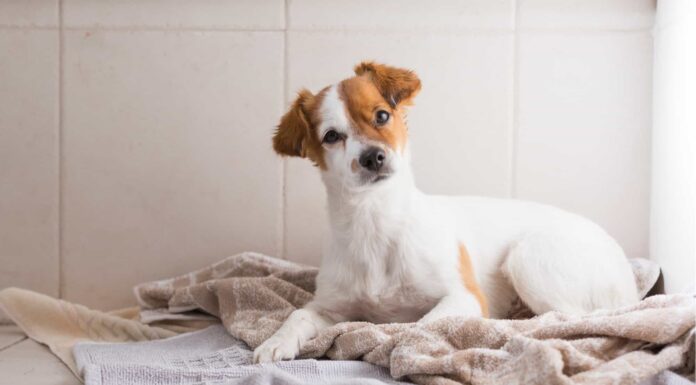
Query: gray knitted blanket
point(210, 356)
point(213, 357)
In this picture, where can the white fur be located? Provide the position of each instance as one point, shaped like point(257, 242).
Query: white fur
point(393, 251)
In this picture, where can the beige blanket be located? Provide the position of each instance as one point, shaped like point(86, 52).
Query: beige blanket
point(253, 294)
point(61, 324)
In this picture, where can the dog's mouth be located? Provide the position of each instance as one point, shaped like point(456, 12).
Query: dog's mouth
point(373, 179)
point(380, 177)
point(369, 178)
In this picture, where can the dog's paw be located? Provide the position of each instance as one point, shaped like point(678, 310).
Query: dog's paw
point(275, 349)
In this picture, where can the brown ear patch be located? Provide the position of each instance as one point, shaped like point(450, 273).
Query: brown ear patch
point(291, 133)
point(466, 270)
point(296, 134)
point(362, 99)
point(397, 85)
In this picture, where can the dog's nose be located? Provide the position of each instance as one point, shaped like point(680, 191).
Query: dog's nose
point(373, 159)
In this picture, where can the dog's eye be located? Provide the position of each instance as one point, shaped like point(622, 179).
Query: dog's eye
point(331, 136)
point(381, 117)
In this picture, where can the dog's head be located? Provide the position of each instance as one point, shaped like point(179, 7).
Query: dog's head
point(355, 130)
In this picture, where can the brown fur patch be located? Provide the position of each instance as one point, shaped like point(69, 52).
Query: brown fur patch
point(362, 100)
point(397, 85)
point(354, 166)
point(296, 134)
point(466, 270)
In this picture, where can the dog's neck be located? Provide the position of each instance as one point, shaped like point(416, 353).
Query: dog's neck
point(378, 206)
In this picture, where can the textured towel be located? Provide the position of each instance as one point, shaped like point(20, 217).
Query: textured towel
point(210, 356)
point(253, 294)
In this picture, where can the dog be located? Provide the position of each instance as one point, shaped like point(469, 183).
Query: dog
point(398, 255)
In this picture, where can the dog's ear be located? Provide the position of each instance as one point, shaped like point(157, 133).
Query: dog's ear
point(397, 85)
point(294, 128)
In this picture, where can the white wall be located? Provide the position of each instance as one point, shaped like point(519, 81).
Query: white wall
point(135, 135)
point(673, 203)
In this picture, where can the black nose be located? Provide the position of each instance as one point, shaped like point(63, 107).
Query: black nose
point(373, 159)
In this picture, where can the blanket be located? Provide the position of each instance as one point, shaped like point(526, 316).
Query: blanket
point(61, 324)
point(253, 294)
point(116, 348)
point(211, 356)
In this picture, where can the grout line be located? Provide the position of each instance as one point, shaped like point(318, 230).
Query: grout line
point(283, 162)
point(473, 30)
point(169, 29)
point(280, 240)
point(28, 27)
point(412, 30)
point(136, 28)
point(584, 30)
point(2, 349)
point(338, 29)
point(61, 174)
point(514, 103)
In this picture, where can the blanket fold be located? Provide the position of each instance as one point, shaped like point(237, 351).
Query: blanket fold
point(61, 324)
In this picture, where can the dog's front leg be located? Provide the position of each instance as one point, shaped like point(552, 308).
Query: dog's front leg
point(302, 325)
point(459, 303)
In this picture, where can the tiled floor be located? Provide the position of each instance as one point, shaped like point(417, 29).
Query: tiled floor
point(23, 361)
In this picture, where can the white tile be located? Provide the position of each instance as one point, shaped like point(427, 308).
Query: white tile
point(404, 15)
point(29, 160)
point(30, 363)
point(233, 14)
point(673, 145)
point(584, 128)
point(594, 14)
point(306, 219)
point(29, 13)
point(10, 335)
point(168, 157)
point(459, 125)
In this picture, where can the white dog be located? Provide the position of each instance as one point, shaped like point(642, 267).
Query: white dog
point(398, 255)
